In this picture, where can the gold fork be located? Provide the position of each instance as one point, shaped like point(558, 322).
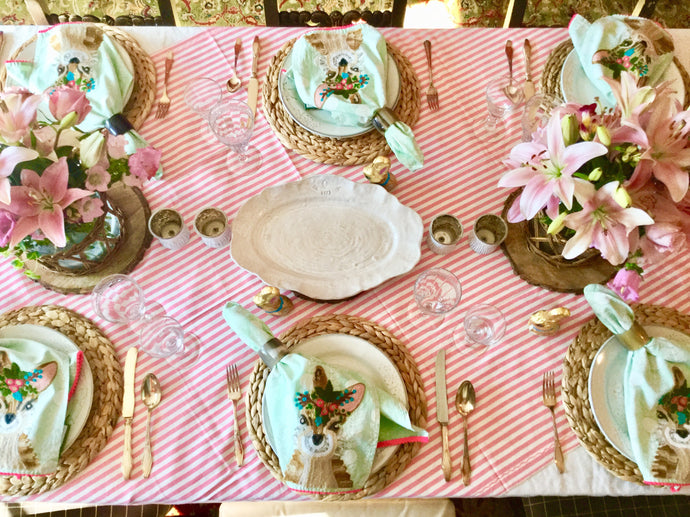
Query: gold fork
point(234, 394)
point(164, 101)
point(431, 92)
point(549, 395)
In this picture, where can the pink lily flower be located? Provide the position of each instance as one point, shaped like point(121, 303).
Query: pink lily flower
point(631, 99)
point(20, 116)
point(602, 224)
point(626, 284)
point(666, 153)
point(9, 158)
point(65, 100)
point(40, 200)
point(550, 173)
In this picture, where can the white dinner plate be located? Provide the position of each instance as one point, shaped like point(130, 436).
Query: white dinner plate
point(80, 404)
point(606, 386)
point(326, 237)
point(359, 356)
point(577, 87)
point(319, 121)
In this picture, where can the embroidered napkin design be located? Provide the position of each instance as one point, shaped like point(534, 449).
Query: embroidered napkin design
point(344, 71)
point(655, 393)
point(613, 44)
point(330, 420)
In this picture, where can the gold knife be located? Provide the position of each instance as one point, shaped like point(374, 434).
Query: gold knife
point(253, 86)
point(128, 409)
point(442, 411)
point(528, 88)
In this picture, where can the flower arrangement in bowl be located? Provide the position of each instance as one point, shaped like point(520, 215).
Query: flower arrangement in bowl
point(611, 180)
point(54, 180)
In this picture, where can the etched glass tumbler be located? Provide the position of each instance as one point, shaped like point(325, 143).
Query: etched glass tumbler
point(233, 124)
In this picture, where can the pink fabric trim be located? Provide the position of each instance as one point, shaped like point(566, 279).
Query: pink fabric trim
point(316, 492)
point(20, 475)
point(400, 441)
point(18, 61)
point(58, 25)
point(674, 487)
point(77, 375)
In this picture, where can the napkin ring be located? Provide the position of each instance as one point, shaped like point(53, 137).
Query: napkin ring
point(384, 118)
point(118, 124)
point(635, 337)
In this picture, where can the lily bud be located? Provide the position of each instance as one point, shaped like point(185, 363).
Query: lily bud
point(604, 135)
point(622, 197)
point(595, 175)
point(557, 224)
point(570, 130)
point(91, 149)
point(68, 120)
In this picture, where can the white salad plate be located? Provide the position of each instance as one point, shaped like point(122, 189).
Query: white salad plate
point(577, 87)
point(326, 237)
point(80, 404)
point(358, 356)
point(606, 386)
point(320, 122)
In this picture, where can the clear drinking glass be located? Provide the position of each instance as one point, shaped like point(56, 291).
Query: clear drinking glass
point(233, 124)
point(201, 95)
point(436, 292)
point(120, 299)
point(484, 325)
point(537, 113)
point(499, 104)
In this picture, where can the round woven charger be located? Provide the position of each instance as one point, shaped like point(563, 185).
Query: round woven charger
point(575, 392)
point(107, 395)
point(386, 342)
point(336, 151)
point(144, 81)
point(551, 76)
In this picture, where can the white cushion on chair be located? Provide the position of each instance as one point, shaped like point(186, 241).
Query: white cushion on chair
point(368, 507)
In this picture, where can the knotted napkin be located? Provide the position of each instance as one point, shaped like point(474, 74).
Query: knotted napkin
point(615, 44)
point(331, 420)
point(34, 388)
point(84, 57)
point(655, 392)
point(344, 71)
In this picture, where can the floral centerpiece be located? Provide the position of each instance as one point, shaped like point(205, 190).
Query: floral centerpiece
point(615, 180)
point(53, 176)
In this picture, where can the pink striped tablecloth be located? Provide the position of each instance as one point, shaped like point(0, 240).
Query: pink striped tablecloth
point(510, 432)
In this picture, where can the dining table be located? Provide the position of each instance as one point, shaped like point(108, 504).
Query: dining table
point(510, 429)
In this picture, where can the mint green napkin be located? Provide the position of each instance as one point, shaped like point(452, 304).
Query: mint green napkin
point(655, 393)
point(84, 57)
point(344, 71)
point(329, 420)
point(35, 387)
point(617, 43)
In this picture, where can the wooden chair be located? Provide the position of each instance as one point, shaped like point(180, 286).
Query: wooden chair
point(276, 18)
point(40, 12)
point(516, 11)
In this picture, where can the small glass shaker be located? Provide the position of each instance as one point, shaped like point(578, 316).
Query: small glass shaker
point(211, 224)
point(488, 232)
point(445, 232)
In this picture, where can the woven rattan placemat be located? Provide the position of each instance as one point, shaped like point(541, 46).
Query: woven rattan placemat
point(107, 394)
point(551, 76)
point(356, 150)
point(144, 81)
point(377, 336)
point(575, 392)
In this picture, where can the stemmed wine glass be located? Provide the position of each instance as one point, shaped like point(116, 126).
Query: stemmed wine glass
point(436, 292)
point(201, 95)
point(233, 124)
point(119, 299)
point(501, 99)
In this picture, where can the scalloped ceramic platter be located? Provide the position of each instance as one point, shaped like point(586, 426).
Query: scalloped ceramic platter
point(359, 356)
point(320, 122)
point(326, 237)
point(606, 386)
point(577, 87)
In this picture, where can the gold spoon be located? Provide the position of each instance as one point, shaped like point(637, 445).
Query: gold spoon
point(511, 90)
point(464, 403)
point(151, 396)
point(235, 82)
